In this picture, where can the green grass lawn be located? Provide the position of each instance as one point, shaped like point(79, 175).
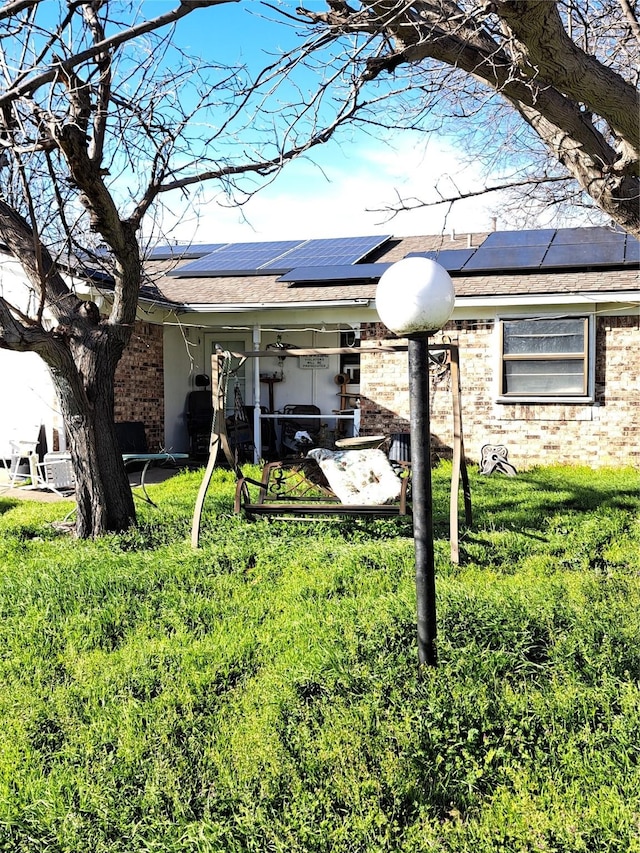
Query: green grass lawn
point(262, 693)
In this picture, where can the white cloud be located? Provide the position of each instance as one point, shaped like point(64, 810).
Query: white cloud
point(343, 191)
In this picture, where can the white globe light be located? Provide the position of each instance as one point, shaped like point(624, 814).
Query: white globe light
point(415, 296)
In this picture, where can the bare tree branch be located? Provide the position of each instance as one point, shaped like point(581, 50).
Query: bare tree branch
point(632, 18)
point(579, 99)
point(11, 9)
point(124, 36)
point(416, 204)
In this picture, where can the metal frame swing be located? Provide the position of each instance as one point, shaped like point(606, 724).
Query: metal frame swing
point(221, 372)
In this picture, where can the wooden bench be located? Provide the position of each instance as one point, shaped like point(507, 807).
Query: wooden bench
point(299, 488)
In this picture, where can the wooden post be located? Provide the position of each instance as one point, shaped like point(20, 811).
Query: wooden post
point(459, 465)
point(219, 438)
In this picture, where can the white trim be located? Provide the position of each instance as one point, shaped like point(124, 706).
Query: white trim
point(630, 298)
point(549, 401)
point(205, 308)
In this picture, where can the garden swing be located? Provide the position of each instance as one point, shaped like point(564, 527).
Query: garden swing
point(292, 488)
point(274, 487)
point(222, 371)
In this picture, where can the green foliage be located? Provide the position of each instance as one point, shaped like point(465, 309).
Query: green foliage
point(262, 693)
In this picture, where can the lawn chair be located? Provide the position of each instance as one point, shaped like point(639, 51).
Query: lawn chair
point(18, 472)
point(55, 473)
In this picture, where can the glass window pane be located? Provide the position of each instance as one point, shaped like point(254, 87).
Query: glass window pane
point(533, 337)
point(561, 376)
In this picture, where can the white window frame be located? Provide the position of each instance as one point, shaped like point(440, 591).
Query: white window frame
point(588, 358)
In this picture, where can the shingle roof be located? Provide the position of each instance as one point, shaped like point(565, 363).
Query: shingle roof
point(267, 290)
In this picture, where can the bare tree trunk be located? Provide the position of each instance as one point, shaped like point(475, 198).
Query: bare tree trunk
point(82, 352)
point(105, 500)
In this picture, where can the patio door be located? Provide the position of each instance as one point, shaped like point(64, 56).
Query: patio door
point(239, 372)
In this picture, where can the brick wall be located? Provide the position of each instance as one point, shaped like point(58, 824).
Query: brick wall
point(139, 384)
point(607, 433)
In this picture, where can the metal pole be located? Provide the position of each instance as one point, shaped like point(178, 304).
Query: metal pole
point(257, 424)
point(422, 498)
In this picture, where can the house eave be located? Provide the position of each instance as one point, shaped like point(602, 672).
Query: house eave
point(628, 297)
point(226, 308)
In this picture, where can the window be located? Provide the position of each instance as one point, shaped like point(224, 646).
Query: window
point(545, 358)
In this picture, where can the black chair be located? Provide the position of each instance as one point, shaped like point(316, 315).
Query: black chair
point(199, 418)
point(268, 449)
point(132, 437)
point(240, 436)
point(299, 434)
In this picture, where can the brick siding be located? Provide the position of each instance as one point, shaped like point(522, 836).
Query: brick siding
point(607, 433)
point(139, 383)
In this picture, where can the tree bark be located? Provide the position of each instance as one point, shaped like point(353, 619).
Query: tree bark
point(82, 352)
point(104, 497)
point(85, 391)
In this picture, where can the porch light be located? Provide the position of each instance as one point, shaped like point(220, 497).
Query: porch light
point(414, 299)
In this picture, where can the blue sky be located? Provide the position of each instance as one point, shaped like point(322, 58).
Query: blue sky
point(341, 188)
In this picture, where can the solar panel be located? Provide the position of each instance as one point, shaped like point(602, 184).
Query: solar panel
point(334, 274)
point(337, 259)
point(186, 251)
point(599, 234)
point(333, 251)
point(99, 276)
point(451, 259)
point(511, 239)
point(632, 251)
point(584, 254)
point(505, 258)
point(236, 259)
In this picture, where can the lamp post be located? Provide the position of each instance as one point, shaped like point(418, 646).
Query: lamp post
point(414, 299)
